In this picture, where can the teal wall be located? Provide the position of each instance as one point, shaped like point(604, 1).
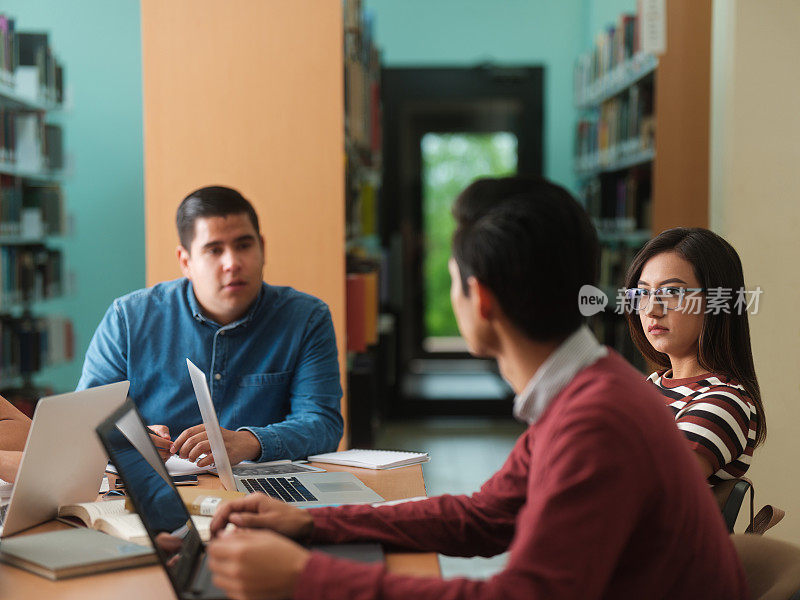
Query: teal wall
point(551, 33)
point(99, 43)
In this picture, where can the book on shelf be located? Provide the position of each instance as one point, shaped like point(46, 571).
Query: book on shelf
point(372, 459)
point(73, 552)
point(622, 128)
point(8, 58)
point(53, 146)
point(616, 45)
point(111, 517)
point(38, 71)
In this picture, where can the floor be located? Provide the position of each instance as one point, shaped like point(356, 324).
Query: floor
point(464, 452)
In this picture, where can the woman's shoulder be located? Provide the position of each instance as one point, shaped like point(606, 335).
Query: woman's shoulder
point(655, 376)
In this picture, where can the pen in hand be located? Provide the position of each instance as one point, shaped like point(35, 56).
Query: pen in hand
point(161, 440)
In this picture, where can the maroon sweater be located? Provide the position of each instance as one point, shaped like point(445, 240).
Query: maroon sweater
point(600, 498)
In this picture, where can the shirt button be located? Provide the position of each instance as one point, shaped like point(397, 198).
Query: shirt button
point(218, 376)
point(222, 333)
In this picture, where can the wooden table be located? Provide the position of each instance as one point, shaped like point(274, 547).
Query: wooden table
point(152, 583)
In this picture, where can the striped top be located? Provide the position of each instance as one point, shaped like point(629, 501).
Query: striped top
point(717, 417)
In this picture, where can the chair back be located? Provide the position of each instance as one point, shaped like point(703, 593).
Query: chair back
point(730, 495)
point(771, 567)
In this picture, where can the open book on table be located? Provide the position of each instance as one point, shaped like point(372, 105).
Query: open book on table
point(111, 517)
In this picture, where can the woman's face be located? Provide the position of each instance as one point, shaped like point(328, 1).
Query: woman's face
point(673, 332)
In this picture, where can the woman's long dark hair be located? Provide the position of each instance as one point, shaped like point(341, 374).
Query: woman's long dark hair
point(724, 345)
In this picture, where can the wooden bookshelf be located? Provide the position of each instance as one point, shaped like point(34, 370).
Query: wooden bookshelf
point(363, 175)
point(32, 213)
point(639, 178)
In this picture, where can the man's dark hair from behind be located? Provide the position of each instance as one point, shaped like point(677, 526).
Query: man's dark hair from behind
point(211, 201)
point(532, 245)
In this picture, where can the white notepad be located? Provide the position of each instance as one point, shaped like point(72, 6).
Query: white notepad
point(372, 459)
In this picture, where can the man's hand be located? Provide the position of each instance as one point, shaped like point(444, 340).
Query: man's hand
point(160, 437)
point(241, 445)
point(250, 565)
point(259, 511)
point(9, 464)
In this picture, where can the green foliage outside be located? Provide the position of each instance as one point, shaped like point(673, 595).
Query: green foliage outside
point(450, 162)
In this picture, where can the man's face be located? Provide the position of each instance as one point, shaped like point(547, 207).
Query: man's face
point(225, 264)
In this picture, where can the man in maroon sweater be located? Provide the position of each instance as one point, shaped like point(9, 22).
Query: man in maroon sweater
point(600, 497)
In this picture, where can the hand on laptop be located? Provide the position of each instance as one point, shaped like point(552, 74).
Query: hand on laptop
point(251, 565)
point(259, 511)
point(161, 440)
point(9, 464)
point(193, 442)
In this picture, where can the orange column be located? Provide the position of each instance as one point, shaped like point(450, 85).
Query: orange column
point(249, 94)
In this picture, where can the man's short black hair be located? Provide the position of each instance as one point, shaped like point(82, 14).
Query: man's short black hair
point(211, 201)
point(532, 245)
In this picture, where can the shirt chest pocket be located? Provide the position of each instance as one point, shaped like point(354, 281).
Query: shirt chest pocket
point(266, 379)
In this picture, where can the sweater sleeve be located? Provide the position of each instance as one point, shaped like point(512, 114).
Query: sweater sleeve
point(717, 424)
point(589, 486)
point(477, 525)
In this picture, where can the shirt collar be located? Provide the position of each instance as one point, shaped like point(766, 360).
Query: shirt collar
point(578, 351)
point(197, 311)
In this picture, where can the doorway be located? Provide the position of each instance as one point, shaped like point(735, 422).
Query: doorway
point(444, 128)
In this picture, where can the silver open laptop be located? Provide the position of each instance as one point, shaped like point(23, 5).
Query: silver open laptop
point(301, 489)
point(63, 460)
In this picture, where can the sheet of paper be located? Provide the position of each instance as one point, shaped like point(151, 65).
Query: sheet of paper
point(5, 489)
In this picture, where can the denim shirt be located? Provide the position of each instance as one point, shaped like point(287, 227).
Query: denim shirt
point(274, 372)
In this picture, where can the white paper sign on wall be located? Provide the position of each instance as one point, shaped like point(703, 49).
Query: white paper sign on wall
point(653, 26)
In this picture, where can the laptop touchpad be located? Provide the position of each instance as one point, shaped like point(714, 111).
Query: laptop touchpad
point(337, 486)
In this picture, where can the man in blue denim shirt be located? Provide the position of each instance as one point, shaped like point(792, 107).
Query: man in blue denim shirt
point(270, 351)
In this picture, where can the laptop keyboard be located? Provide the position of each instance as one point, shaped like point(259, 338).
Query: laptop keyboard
point(288, 489)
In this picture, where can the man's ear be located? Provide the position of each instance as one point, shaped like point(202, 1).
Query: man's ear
point(483, 300)
point(183, 260)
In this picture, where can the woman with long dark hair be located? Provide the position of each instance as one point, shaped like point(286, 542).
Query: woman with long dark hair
point(687, 314)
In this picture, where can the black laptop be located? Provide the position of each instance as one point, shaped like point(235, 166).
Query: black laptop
point(176, 540)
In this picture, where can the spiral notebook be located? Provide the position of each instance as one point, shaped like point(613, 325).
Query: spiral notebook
point(372, 459)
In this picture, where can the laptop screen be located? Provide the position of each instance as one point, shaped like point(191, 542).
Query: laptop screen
point(152, 492)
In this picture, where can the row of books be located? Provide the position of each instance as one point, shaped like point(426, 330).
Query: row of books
point(8, 60)
point(38, 73)
point(30, 211)
point(8, 135)
point(29, 273)
point(362, 70)
point(625, 124)
point(31, 143)
point(620, 203)
point(613, 46)
point(28, 344)
point(28, 64)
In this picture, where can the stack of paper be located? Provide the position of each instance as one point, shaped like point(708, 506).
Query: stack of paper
point(372, 459)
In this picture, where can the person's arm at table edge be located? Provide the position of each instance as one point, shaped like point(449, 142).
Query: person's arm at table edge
point(314, 423)
point(545, 520)
point(106, 359)
point(14, 426)
point(106, 362)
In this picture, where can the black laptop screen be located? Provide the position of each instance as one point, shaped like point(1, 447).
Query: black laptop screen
point(150, 487)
